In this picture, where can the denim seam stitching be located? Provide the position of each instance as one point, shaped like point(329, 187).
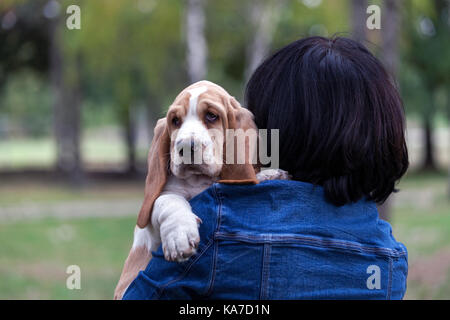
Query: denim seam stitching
point(265, 271)
point(219, 198)
point(160, 289)
point(389, 289)
point(324, 243)
point(261, 289)
point(216, 244)
point(213, 275)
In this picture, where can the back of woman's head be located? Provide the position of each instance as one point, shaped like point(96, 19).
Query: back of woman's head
point(339, 115)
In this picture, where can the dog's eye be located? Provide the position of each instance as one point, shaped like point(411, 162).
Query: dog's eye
point(211, 117)
point(176, 121)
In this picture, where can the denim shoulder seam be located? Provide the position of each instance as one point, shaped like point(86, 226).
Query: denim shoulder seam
point(317, 242)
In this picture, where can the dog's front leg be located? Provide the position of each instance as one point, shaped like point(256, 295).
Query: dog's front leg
point(173, 224)
point(178, 226)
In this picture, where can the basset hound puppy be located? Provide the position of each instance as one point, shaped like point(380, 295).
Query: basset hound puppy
point(187, 155)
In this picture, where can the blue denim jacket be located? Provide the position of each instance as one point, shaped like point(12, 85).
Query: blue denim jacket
point(280, 240)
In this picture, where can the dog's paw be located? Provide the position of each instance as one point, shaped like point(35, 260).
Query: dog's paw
point(180, 237)
point(273, 174)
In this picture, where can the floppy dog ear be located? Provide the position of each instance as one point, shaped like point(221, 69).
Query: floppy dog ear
point(237, 173)
point(158, 160)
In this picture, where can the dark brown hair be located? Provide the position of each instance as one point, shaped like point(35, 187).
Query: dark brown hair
point(340, 117)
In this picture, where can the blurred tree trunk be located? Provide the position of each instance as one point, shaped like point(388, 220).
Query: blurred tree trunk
point(448, 119)
point(197, 49)
point(358, 19)
point(391, 22)
point(124, 94)
point(66, 87)
point(390, 30)
point(264, 16)
point(448, 186)
point(130, 139)
point(429, 162)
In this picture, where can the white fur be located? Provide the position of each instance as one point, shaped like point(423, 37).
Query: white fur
point(148, 237)
point(207, 159)
point(178, 226)
point(273, 174)
point(193, 100)
point(173, 223)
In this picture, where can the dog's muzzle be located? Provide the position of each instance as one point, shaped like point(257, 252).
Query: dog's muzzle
point(189, 151)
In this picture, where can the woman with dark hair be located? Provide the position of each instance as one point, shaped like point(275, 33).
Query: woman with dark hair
point(340, 117)
point(318, 236)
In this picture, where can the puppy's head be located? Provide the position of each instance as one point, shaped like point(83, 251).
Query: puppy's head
point(194, 139)
point(196, 122)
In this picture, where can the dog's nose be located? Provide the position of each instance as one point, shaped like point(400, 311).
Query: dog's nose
point(181, 146)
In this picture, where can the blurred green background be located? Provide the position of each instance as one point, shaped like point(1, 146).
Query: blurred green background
point(77, 109)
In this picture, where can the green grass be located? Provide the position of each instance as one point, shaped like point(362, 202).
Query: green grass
point(34, 257)
point(422, 213)
point(421, 220)
point(34, 254)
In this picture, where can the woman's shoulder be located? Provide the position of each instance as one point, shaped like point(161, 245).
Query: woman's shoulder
point(300, 233)
point(287, 207)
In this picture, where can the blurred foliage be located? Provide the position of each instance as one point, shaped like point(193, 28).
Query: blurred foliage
point(23, 38)
point(26, 102)
point(425, 72)
point(132, 53)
